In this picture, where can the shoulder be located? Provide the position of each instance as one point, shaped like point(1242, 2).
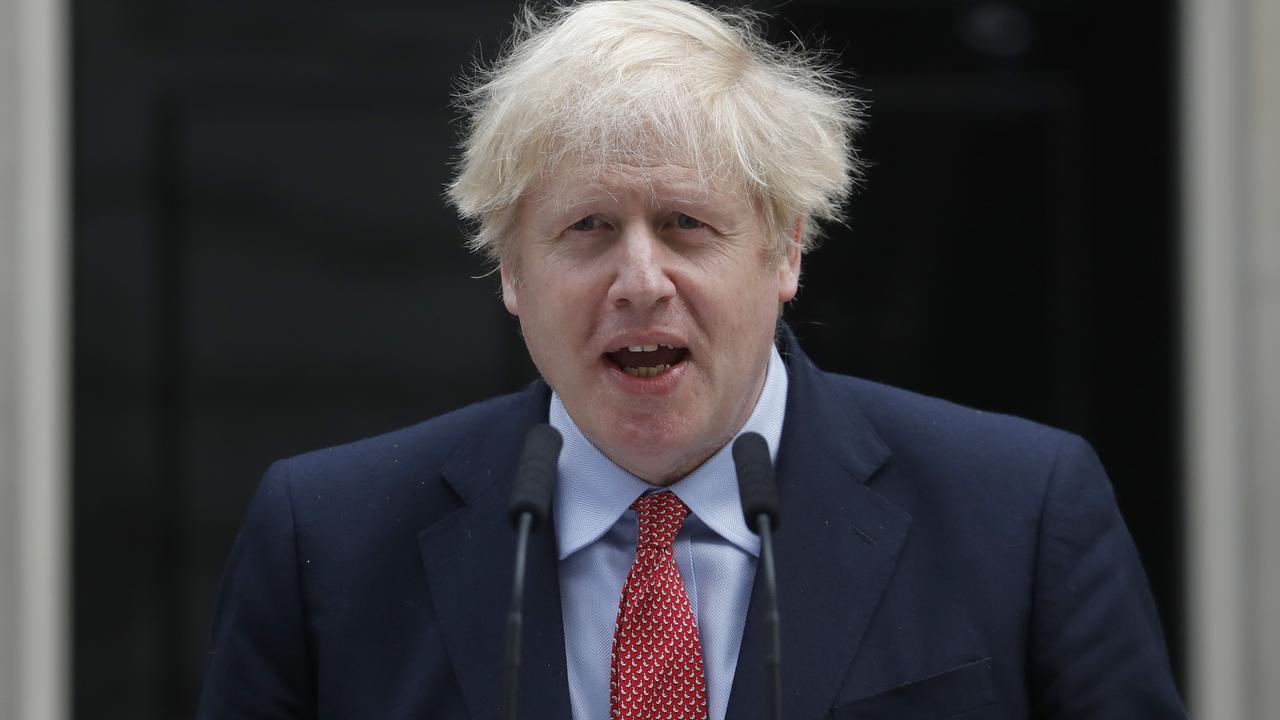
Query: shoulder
point(925, 442)
point(400, 474)
point(428, 444)
point(917, 424)
point(946, 458)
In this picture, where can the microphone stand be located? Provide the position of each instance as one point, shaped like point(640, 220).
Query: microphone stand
point(773, 661)
point(515, 621)
point(529, 507)
point(759, 494)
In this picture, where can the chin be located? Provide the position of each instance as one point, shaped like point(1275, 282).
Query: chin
point(657, 454)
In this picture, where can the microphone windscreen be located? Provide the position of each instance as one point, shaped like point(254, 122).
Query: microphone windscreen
point(755, 479)
point(536, 475)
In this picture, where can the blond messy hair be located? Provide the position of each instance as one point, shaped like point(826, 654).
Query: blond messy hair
point(631, 80)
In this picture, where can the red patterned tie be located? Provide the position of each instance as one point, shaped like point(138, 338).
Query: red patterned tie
point(657, 653)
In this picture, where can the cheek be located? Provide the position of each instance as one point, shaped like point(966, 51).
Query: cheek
point(554, 311)
point(539, 322)
point(756, 298)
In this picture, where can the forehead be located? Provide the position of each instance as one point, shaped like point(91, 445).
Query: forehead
point(635, 181)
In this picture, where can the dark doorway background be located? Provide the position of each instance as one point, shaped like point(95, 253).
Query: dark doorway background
point(264, 264)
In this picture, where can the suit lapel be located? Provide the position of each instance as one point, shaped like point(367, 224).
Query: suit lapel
point(468, 559)
point(836, 547)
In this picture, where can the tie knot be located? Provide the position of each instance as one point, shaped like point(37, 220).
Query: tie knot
point(660, 516)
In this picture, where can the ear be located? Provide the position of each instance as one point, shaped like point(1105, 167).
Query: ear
point(509, 283)
point(789, 265)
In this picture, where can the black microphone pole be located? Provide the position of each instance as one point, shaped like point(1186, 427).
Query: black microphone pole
point(530, 505)
point(760, 509)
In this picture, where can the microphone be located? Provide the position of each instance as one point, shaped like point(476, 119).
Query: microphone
point(535, 476)
point(760, 509)
point(529, 507)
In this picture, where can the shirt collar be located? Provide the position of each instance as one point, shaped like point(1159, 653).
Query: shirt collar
point(593, 491)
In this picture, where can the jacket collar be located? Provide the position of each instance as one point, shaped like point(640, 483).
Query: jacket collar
point(836, 546)
point(468, 559)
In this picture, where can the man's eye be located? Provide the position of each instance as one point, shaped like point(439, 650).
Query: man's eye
point(586, 224)
point(686, 222)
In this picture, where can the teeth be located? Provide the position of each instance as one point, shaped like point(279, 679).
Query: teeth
point(643, 348)
point(647, 372)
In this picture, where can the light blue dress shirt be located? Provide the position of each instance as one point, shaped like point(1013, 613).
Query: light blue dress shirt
point(596, 536)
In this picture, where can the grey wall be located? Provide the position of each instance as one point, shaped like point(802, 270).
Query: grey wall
point(9, 420)
point(1231, 182)
point(34, 298)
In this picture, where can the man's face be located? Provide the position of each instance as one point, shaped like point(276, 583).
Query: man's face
point(648, 301)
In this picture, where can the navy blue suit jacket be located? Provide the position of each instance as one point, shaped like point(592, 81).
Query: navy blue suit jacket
point(933, 562)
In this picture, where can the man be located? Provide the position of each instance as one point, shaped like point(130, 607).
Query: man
point(648, 175)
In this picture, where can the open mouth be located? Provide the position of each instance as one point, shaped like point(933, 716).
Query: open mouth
point(647, 361)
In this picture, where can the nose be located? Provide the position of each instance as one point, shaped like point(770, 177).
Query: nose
point(642, 277)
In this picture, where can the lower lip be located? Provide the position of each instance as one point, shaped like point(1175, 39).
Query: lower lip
point(656, 385)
